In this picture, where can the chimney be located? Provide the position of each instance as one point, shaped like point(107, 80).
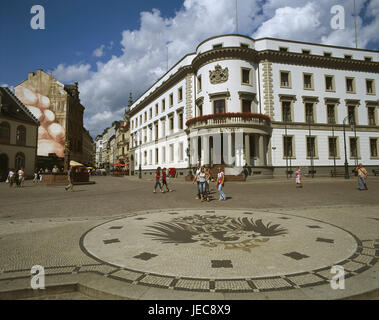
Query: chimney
point(30, 75)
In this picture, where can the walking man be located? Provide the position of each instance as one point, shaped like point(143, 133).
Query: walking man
point(70, 177)
point(220, 183)
point(362, 177)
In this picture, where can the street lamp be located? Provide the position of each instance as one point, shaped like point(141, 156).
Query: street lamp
point(67, 147)
point(286, 117)
point(189, 157)
point(353, 127)
point(140, 156)
point(310, 145)
point(344, 140)
point(332, 122)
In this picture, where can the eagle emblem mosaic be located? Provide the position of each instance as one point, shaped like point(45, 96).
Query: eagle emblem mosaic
point(241, 233)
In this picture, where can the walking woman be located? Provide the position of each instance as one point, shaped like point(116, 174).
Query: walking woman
point(21, 177)
point(220, 183)
point(157, 180)
point(201, 178)
point(11, 178)
point(298, 178)
point(164, 181)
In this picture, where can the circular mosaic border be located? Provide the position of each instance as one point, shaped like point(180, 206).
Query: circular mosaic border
point(366, 256)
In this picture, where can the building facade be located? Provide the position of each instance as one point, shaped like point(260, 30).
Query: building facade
point(59, 111)
point(18, 136)
point(123, 142)
point(88, 149)
point(269, 104)
point(99, 151)
point(106, 147)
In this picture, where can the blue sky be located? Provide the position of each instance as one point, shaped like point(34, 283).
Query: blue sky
point(74, 29)
point(116, 47)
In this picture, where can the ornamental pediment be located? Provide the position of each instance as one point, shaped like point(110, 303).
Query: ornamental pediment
point(219, 75)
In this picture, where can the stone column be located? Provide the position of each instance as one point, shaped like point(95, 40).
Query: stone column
point(239, 150)
point(247, 149)
point(193, 151)
point(230, 147)
point(217, 148)
point(261, 151)
point(205, 149)
point(269, 151)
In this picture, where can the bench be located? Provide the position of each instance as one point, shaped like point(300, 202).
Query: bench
point(375, 172)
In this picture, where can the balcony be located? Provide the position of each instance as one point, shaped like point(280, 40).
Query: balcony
point(122, 143)
point(229, 120)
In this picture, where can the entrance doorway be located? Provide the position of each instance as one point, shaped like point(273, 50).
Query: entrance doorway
point(4, 167)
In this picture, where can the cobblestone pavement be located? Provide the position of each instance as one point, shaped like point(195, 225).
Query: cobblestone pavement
point(268, 241)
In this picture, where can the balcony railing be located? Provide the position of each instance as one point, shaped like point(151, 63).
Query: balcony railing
point(232, 119)
point(122, 143)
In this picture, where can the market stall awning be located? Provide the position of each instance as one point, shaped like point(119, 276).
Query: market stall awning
point(76, 164)
point(118, 165)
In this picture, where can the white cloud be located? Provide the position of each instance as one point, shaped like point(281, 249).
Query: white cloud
point(71, 73)
point(105, 91)
point(99, 52)
point(292, 23)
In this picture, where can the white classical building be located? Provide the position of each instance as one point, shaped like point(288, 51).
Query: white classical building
point(269, 104)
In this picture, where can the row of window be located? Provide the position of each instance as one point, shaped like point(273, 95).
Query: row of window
point(310, 114)
point(304, 51)
point(58, 107)
point(329, 84)
point(5, 134)
point(147, 132)
point(148, 115)
point(326, 54)
point(161, 157)
point(333, 146)
point(19, 160)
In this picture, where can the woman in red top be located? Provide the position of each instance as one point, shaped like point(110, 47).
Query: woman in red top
point(157, 180)
point(164, 181)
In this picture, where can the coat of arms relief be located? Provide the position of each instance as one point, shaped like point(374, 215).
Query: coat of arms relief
point(219, 75)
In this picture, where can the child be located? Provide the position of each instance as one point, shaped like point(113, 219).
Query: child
point(298, 178)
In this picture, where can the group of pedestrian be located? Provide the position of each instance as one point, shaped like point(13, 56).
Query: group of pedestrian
point(203, 178)
point(158, 180)
point(16, 177)
point(360, 171)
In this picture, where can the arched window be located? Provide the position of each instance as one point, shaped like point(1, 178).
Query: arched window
point(21, 136)
point(5, 132)
point(19, 161)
